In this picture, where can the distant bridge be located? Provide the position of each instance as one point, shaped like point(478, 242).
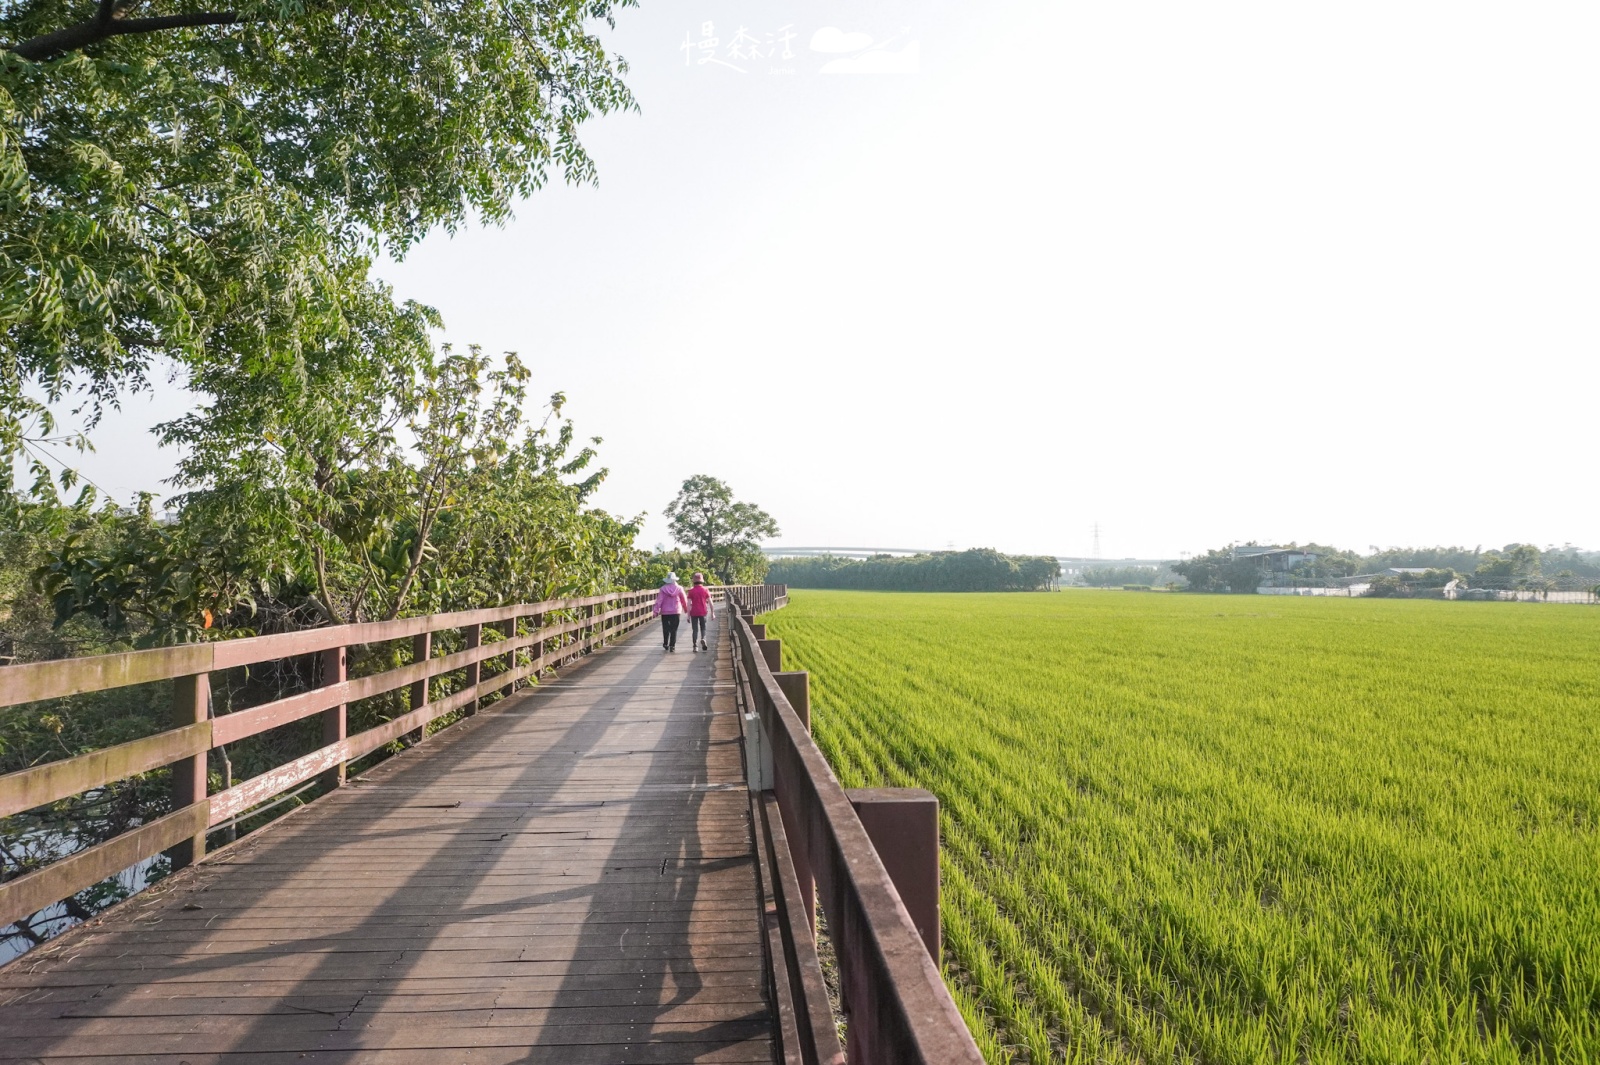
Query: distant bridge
point(1071, 565)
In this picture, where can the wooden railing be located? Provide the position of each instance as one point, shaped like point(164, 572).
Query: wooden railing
point(546, 634)
point(818, 844)
point(878, 890)
point(756, 598)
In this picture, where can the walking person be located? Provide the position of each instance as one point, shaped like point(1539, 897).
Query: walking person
point(699, 613)
point(670, 605)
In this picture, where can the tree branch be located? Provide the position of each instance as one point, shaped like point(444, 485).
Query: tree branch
point(423, 527)
point(107, 24)
point(322, 586)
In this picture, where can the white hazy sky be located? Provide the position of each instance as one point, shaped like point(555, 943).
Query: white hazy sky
point(1196, 271)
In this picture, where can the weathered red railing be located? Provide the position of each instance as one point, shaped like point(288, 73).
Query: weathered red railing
point(878, 892)
point(558, 631)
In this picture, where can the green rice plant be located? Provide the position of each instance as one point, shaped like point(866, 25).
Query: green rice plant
point(1239, 830)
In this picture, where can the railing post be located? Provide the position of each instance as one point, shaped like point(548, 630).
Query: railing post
point(473, 635)
point(796, 687)
point(421, 651)
point(772, 651)
point(564, 643)
point(759, 631)
point(508, 629)
point(335, 720)
point(191, 702)
point(903, 824)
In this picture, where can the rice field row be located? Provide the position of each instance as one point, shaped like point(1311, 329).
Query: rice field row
point(1232, 829)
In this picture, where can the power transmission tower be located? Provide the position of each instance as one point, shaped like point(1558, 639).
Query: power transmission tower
point(1096, 552)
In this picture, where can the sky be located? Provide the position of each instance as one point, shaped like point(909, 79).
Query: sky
point(936, 274)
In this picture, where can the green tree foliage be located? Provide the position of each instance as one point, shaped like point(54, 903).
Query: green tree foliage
point(303, 508)
point(1515, 566)
point(706, 519)
point(207, 186)
point(1463, 559)
point(747, 567)
point(1328, 562)
point(1218, 571)
point(1117, 576)
point(1517, 563)
point(977, 570)
point(1570, 560)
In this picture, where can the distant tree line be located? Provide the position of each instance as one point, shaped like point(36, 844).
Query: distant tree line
point(1511, 566)
point(1118, 576)
point(978, 570)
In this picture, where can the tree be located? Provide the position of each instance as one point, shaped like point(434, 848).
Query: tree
point(1454, 558)
point(1117, 576)
point(1219, 571)
point(208, 186)
point(1206, 573)
point(977, 570)
point(303, 509)
point(1512, 567)
point(707, 519)
point(1326, 562)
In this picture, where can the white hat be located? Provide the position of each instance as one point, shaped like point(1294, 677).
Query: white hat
point(672, 578)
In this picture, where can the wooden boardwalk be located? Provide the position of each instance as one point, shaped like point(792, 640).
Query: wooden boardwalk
point(568, 878)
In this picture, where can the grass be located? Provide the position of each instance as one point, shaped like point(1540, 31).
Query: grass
point(1239, 829)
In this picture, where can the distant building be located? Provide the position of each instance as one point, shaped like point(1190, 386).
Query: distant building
point(1275, 559)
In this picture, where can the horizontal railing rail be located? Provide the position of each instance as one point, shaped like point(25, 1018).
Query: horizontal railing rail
point(558, 630)
point(896, 1005)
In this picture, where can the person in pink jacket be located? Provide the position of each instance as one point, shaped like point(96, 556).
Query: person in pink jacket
point(699, 613)
point(671, 604)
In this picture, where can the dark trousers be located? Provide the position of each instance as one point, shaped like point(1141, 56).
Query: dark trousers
point(697, 630)
point(669, 631)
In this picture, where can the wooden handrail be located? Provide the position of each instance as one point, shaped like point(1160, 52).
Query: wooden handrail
point(37, 681)
point(900, 1011)
point(182, 832)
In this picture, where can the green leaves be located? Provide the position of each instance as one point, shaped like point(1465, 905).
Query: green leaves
point(304, 476)
point(977, 570)
point(706, 518)
point(209, 195)
point(153, 585)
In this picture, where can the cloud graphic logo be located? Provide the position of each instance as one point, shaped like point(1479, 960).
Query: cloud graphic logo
point(907, 60)
point(834, 41)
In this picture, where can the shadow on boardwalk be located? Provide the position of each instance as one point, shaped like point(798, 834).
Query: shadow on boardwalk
point(567, 879)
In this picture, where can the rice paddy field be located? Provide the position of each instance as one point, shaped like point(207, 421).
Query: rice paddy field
point(1239, 829)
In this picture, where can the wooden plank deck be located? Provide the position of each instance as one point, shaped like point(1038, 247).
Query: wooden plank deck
point(568, 878)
